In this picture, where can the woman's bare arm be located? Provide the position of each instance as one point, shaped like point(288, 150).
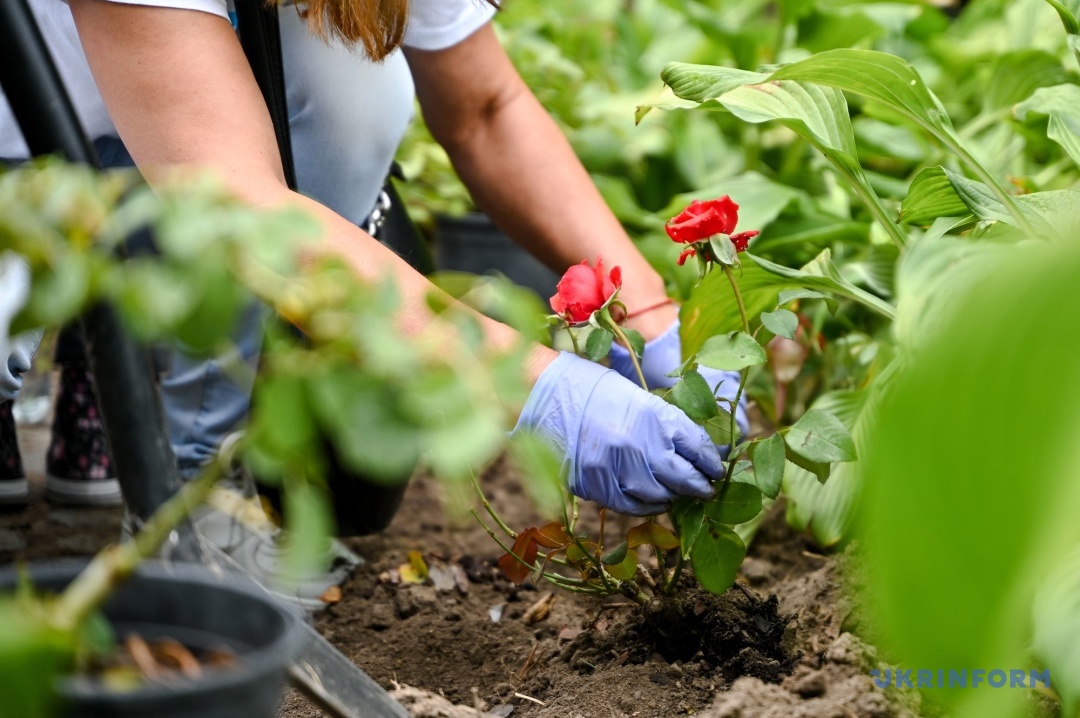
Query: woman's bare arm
point(178, 87)
point(522, 170)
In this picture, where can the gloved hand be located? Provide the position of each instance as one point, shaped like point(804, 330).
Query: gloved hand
point(663, 355)
point(625, 449)
point(15, 352)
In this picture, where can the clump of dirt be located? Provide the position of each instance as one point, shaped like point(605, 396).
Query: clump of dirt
point(736, 634)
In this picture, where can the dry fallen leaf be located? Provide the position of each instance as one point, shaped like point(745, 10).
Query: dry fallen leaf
point(541, 609)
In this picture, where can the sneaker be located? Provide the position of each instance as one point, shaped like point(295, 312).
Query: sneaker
point(236, 524)
point(78, 468)
point(14, 488)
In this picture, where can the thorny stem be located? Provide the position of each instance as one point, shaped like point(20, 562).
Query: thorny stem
point(633, 354)
point(116, 563)
point(574, 341)
point(742, 376)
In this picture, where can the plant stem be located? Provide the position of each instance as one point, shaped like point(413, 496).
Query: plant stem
point(489, 508)
point(633, 354)
point(574, 341)
point(116, 563)
point(745, 372)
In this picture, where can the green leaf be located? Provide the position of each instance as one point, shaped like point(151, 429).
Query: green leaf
point(790, 295)
point(1061, 104)
point(931, 196)
point(598, 345)
point(690, 515)
point(821, 274)
point(694, 396)
point(768, 459)
point(700, 83)
point(702, 316)
point(719, 428)
point(880, 76)
point(724, 251)
point(308, 523)
point(818, 469)
point(735, 503)
point(1016, 75)
point(781, 322)
point(537, 460)
point(731, 352)
point(615, 555)
point(817, 114)
point(717, 555)
point(625, 569)
point(820, 437)
point(1068, 11)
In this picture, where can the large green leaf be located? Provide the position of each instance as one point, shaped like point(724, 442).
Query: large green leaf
point(717, 555)
point(819, 436)
point(818, 114)
point(694, 396)
point(894, 82)
point(1061, 104)
point(821, 274)
point(958, 532)
point(735, 503)
point(1015, 75)
point(768, 458)
point(731, 352)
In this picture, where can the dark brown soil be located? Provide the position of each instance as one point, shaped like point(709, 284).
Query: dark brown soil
point(778, 646)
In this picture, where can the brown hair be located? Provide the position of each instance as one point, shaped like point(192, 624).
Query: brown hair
point(377, 25)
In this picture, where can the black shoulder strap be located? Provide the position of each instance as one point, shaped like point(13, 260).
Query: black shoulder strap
point(260, 37)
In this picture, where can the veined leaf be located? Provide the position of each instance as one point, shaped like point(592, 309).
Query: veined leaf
point(880, 76)
point(818, 114)
point(717, 555)
point(768, 459)
point(931, 196)
point(819, 436)
point(1061, 104)
point(731, 352)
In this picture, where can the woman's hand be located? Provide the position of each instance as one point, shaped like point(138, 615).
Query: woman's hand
point(625, 448)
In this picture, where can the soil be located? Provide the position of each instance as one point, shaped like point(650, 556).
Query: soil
point(465, 644)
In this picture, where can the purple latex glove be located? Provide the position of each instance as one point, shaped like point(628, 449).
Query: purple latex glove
point(625, 448)
point(664, 355)
point(16, 352)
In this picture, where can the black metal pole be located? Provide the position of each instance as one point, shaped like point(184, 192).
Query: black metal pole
point(129, 402)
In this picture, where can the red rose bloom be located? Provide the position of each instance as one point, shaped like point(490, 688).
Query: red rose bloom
point(702, 220)
point(584, 289)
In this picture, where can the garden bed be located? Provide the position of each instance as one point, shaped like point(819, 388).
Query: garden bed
point(580, 660)
point(788, 656)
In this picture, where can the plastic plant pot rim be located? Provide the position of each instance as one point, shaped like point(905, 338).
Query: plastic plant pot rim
point(256, 663)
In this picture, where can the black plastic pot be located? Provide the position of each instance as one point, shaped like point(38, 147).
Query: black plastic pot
point(202, 610)
point(475, 245)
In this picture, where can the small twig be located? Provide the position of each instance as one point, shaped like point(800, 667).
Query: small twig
point(528, 662)
point(524, 697)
